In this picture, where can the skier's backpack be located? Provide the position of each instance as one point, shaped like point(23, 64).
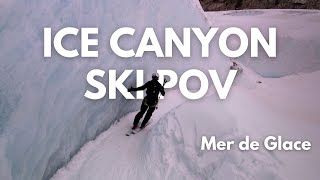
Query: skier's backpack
point(153, 90)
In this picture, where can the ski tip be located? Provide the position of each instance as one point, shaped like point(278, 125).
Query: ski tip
point(128, 133)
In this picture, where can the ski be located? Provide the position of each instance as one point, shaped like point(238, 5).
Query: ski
point(135, 131)
point(129, 132)
point(132, 131)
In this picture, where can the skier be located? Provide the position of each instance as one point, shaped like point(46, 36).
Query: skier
point(149, 102)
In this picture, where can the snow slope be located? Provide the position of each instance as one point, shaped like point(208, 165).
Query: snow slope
point(170, 148)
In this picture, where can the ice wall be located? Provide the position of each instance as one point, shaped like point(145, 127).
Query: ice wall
point(44, 117)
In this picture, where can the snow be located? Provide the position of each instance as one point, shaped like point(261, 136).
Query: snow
point(297, 38)
point(169, 148)
point(45, 120)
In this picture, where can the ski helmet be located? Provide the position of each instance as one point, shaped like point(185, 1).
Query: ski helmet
point(155, 76)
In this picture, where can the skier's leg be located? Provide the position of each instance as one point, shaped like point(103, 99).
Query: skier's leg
point(148, 116)
point(143, 109)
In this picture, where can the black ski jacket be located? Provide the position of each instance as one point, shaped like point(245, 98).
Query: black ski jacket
point(153, 89)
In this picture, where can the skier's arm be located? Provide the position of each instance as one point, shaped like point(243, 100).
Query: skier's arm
point(143, 87)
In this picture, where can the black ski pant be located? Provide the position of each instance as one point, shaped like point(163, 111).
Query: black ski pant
point(143, 110)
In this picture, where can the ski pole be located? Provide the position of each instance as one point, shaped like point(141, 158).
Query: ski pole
point(164, 83)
